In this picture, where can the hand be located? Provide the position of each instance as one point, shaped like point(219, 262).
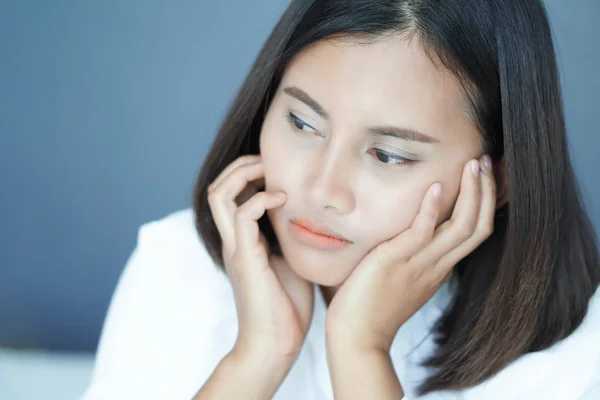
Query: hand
point(274, 305)
point(400, 275)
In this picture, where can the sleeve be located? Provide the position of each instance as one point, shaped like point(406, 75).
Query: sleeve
point(156, 342)
point(592, 392)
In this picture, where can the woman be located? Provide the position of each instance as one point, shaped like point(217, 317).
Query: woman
point(392, 210)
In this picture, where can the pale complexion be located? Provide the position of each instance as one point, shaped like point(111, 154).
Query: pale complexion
point(336, 173)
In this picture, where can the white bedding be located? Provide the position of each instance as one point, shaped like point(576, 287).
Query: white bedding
point(43, 375)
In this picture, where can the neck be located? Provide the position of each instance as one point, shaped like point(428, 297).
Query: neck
point(328, 292)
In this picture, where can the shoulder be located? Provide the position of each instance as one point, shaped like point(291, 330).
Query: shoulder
point(171, 318)
point(171, 267)
point(170, 285)
point(176, 229)
point(568, 369)
point(185, 285)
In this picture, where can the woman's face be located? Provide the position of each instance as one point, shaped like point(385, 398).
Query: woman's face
point(321, 144)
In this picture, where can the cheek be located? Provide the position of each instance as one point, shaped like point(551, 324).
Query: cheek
point(451, 185)
point(395, 213)
point(274, 155)
point(391, 216)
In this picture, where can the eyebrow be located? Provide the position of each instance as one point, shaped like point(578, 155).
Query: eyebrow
point(386, 130)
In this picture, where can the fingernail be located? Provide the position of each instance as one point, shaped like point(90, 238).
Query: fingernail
point(486, 163)
point(475, 167)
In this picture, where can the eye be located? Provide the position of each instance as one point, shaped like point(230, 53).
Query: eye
point(297, 123)
point(383, 156)
point(397, 160)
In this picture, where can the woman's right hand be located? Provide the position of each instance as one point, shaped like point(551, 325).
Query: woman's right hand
point(274, 305)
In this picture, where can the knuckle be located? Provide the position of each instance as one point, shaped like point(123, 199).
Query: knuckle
point(464, 231)
point(394, 254)
point(486, 231)
point(420, 238)
point(262, 196)
point(243, 211)
point(212, 198)
point(415, 273)
point(403, 255)
point(259, 197)
point(432, 214)
point(247, 160)
point(249, 157)
point(381, 254)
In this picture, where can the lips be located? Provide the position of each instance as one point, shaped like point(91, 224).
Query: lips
point(319, 229)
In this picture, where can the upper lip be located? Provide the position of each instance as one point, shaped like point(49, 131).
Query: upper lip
point(318, 228)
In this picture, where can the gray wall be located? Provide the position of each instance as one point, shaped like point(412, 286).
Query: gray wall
point(106, 112)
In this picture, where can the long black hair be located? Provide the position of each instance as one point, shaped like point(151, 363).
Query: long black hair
point(528, 285)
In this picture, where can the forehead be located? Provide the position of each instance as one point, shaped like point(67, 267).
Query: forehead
point(391, 80)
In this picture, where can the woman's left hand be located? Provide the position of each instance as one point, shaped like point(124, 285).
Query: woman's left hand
point(400, 275)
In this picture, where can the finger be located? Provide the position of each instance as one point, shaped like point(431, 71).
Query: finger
point(239, 180)
point(250, 190)
point(421, 231)
point(243, 160)
point(222, 201)
point(247, 233)
point(484, 227)
point(462, 223)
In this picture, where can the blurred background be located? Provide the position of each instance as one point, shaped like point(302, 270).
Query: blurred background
point(107, 110)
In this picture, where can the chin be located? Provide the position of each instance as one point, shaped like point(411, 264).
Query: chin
point(320, 273)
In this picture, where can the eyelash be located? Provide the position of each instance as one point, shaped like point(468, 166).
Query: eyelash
point(401, 161)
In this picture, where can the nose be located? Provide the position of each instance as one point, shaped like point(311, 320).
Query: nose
point(330, 182)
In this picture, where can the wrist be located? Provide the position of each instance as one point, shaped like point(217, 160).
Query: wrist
point(257, 374)
point(262, 356)
point(360, 371)
point(353, 350)
point(358, 343)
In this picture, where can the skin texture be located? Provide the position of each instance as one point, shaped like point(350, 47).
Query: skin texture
point(330, 168)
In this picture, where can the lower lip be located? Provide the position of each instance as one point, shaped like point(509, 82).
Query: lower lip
point(316, 240)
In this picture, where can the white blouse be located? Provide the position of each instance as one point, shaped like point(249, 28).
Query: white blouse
point(172, 319)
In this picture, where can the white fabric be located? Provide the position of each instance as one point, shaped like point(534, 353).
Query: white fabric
point(172, 319)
